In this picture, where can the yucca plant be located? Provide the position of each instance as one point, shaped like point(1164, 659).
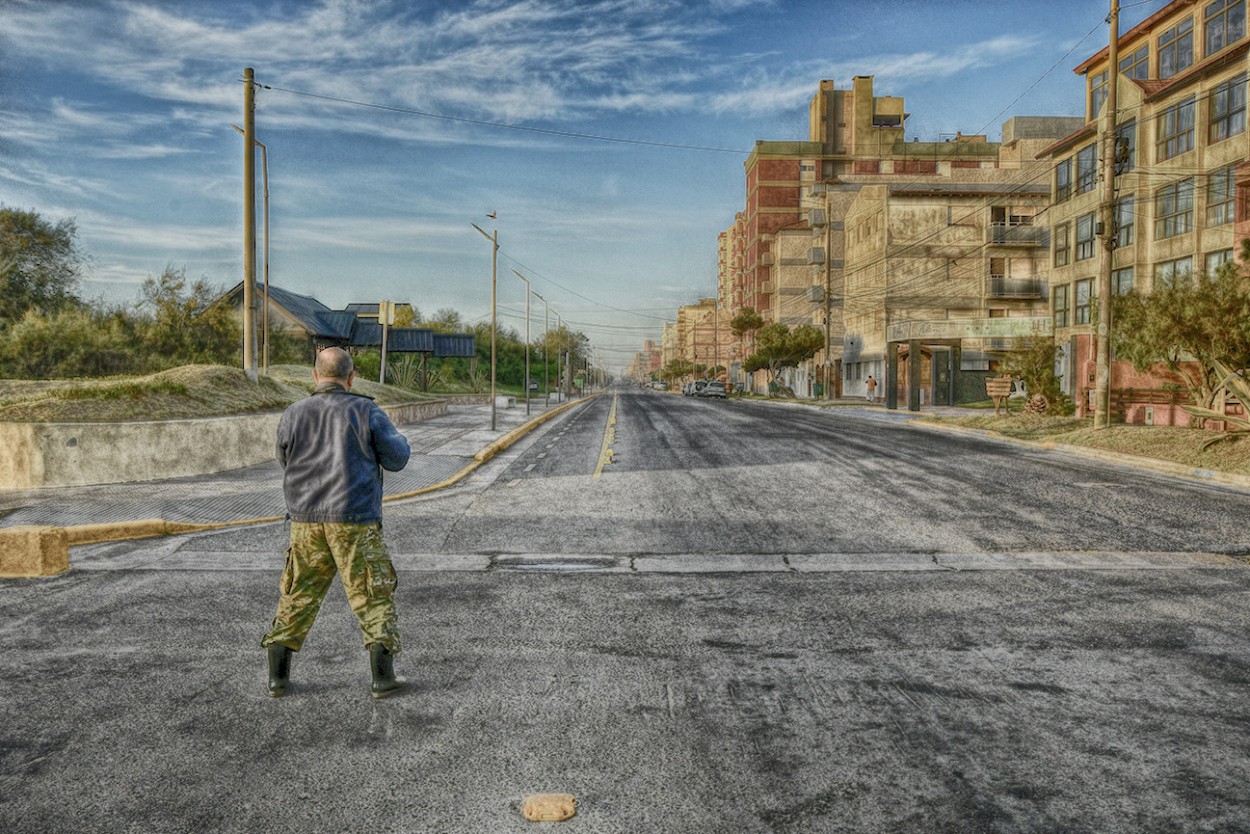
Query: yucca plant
point(403, 372)
point(1239, 387)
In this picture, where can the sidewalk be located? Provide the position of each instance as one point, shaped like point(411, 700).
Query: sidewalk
point(441, 447)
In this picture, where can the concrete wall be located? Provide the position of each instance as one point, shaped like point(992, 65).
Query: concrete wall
point(34, 455)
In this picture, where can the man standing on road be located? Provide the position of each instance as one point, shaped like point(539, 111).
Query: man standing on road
point(332, 447)
point(871, 385)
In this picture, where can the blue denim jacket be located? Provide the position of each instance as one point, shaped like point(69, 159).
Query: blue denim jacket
point(332, 448)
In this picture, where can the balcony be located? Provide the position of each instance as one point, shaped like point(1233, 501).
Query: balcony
point(1005, 286)
point(1007, 234)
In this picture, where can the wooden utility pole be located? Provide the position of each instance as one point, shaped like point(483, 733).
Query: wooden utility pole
point(1102, 372)
point(249, 223)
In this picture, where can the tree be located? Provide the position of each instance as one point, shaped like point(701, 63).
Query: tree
point(40, 264)
point(778, 347)
point(184, 326)
point(1034, 363)
point(1188, 328)
point(676, 369)
point(746, 321)
point(446, 320)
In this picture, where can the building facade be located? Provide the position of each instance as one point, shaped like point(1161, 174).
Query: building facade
point(1181, 186)
point(785, 255)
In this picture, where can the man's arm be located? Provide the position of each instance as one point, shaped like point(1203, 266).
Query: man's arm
point(389, 445)
point(281, 449)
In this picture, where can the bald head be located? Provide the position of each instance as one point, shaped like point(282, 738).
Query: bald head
point(334, 365)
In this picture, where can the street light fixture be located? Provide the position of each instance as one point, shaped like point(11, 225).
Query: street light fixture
point(494, 259)
point(264, 314)
point(527, 340)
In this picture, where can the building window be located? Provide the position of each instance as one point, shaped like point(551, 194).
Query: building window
point(1086, 168)
point(1084, 291)
point(1063, 244)
point(1220, 193)
point(1085, 237)
point(1225, 23)
point(1125, 147)
point(1063, 180)
point(1215, 260)
point(1228, 109)
point(1171, 273)
point(1175, 130)
point(1174, 209)
point(1124, 217)
point(1059, 302)
point(1137, 64)
point(1122, 280)
point(1176, 48)
point(1097, 93)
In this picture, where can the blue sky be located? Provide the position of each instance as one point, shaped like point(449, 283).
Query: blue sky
point(118, 114)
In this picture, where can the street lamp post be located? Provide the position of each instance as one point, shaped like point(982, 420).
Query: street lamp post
point(527, 340)
point(559, 354)
point(546, 338)
point(264, 313)
point(494, 259)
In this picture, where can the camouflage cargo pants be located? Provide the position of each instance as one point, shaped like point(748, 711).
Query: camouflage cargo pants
point(357, 553)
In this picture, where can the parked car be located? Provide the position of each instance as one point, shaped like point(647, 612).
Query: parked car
point(694, 387)
point(715, 388)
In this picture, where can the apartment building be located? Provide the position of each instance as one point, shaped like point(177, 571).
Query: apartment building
point(1181, 190)
point(785, 254)
point(703, 336)
point(940, 281)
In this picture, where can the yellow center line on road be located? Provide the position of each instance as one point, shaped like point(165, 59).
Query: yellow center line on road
point(609, 437)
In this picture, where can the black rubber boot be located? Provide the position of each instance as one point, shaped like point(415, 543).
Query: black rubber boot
point(279, 670)
point(382, 665)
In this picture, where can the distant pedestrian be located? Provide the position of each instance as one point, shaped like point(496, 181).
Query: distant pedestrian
point(332, 447)
point(871, 385)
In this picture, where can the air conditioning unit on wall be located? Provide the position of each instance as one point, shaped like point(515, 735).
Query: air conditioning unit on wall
point(816, 255)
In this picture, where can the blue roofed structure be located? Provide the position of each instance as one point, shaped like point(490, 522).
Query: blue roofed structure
point(351, 327)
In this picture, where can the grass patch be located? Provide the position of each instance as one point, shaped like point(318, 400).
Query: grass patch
point(124, 390)
point(1177, 444)
point(188, 391)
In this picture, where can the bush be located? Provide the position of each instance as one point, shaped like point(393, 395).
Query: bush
point(70, 343)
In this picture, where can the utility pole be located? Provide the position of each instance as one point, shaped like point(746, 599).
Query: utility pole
point(525, 281)
point(546, 338)
point(1102, 370)
point(716, 336)
point(830, 379)
point(249, 223)
point(559, 354)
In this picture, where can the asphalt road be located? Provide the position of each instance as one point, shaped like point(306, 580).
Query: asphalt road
point(756, 619)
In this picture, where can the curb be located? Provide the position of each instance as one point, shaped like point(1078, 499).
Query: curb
point(1124, 458)
point(157, 527)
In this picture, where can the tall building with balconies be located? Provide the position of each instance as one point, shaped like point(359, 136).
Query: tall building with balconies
point(793, 230)
point(1181, 189)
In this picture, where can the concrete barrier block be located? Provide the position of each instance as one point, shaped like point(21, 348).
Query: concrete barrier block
point(33, 551)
